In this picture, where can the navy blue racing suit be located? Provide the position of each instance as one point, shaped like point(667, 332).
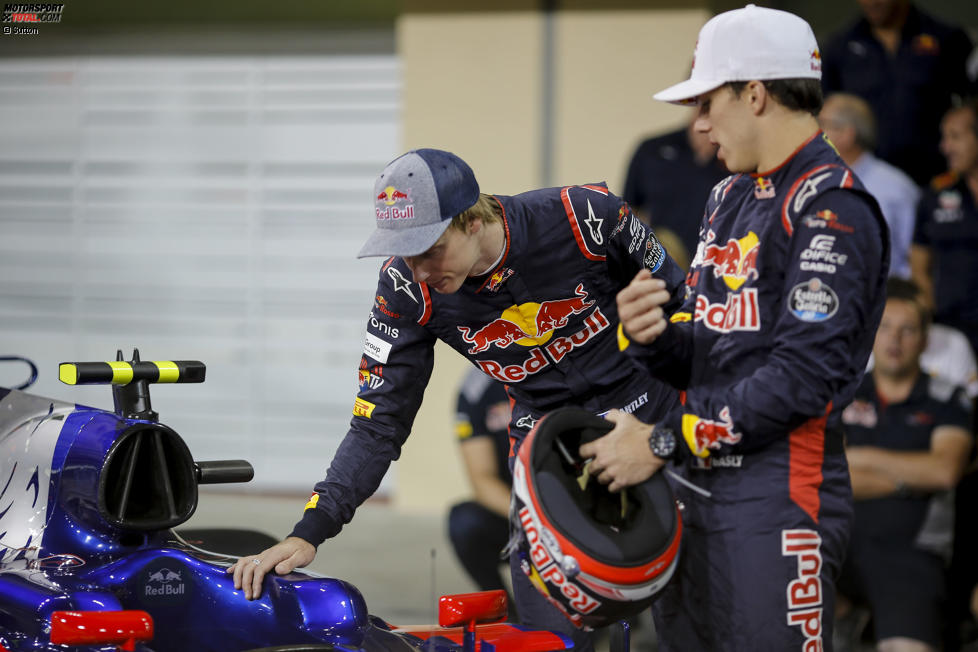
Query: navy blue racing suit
point(787, 290)
point(543, 321)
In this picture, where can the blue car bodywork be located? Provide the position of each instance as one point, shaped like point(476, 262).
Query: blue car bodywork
point(88, 500)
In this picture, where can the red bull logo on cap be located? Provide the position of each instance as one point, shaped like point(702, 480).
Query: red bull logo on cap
point(816, 61)
point(391, 196)
point(703, 435)
point(735, 262)
point(527, 324)
point(387, 205)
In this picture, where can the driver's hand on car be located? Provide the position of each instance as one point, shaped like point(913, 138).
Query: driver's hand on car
point(283, 558)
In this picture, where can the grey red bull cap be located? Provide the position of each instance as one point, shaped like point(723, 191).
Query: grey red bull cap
point(745, 44)
point(415, 199)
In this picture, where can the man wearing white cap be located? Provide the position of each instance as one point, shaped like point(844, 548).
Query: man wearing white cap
point(787, 290)
point(523, 286)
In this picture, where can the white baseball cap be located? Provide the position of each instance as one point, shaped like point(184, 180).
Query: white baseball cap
point(745, 44)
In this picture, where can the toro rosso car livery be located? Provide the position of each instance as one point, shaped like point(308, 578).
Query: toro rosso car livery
point(88, 557)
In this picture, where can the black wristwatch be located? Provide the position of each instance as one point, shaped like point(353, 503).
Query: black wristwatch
point(663, 443)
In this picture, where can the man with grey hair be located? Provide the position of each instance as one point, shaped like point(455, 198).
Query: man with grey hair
point(849, 123)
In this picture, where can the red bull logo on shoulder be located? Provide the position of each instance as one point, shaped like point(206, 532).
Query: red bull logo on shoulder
point(735, 262)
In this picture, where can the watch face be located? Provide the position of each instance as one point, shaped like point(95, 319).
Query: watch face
point(663, 443)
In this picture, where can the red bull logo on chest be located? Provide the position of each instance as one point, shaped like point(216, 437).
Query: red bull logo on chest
point(527, 324)
point(498, 278)
point(740, 312)
point(764, 188)
point(533, 325)
point(735, 262)
point(389, 205)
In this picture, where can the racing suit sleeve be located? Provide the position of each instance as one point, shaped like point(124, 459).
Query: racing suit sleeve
point(396, 365)
point(822, 335)
point(632, 245)
point(670, 357)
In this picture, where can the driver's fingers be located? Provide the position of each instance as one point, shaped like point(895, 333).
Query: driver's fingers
point(244, 574)
point(238, 570)
point(258, 571)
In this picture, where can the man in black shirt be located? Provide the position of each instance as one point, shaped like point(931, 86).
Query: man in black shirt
point(669, 180)
point(908, 441)
point(908, 66)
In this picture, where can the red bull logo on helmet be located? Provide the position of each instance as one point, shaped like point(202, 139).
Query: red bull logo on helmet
point(703, 435)
point(388, 205)
point(550, 572)
point(735, 262)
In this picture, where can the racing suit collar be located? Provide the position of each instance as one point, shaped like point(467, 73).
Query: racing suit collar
point(791, 157)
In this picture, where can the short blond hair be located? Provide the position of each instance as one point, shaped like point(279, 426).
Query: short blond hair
point(486, 209)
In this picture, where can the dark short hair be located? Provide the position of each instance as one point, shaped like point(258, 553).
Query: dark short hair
point(794, 94)
point(902, 289)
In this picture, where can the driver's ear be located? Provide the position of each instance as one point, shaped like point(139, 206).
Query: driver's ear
point(757, 96)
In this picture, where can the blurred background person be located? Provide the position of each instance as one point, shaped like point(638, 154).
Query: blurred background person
point(848, 121)
point(944, 254)
point(669, 179)
point(479, 528)
point(908, 65)
point(908, 440)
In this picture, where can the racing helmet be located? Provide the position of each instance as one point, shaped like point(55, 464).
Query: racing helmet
point(597, 556)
